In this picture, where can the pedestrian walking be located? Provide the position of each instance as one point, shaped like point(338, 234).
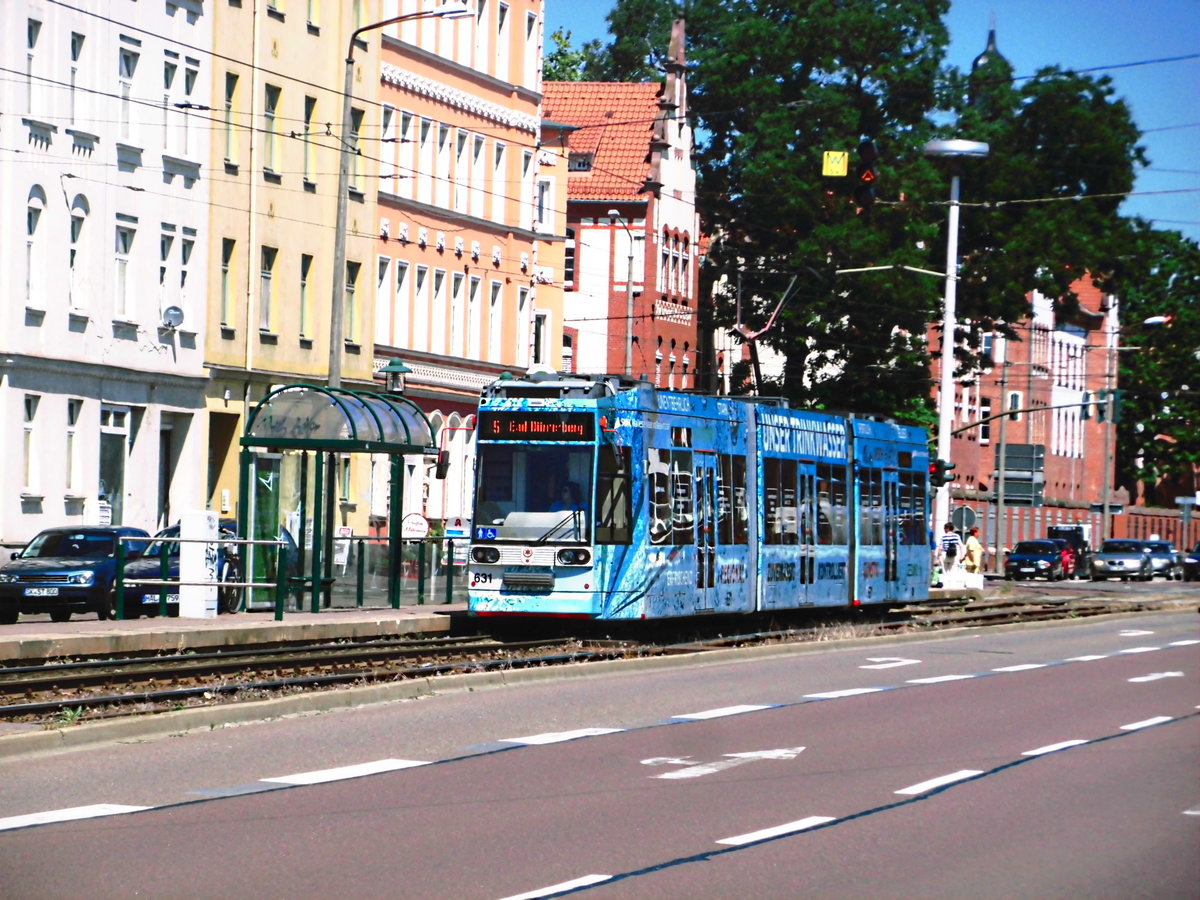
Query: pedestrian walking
point(951, 546)
point(974, 560)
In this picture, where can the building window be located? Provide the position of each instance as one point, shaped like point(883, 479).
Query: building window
point(351, 331)
point(310, 111)
point(539, 340)
point(985, 413)
point(544, 213)
point(495, 319)
point(74, 466)
point(523, 330)
point(29, 468)
point(122, 298)
point(457, 313)
point(420, 315)
point(580, 162)
point(166, 240)
point(79, 210)
point(402, 307)
point(270, 138)
point(227, 246)
point(127, 61)
point(231, 154)
point(33, 28)
point(474, 317)
point(569, 260)
point(265, 299)
point(306, 261)
point(76, 53)
point(33, 262)
point(356, 126)
point(187, 244)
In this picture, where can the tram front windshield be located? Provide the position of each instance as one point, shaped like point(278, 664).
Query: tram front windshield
point(533, 493)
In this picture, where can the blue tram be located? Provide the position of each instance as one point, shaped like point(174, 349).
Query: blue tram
point(601, 497)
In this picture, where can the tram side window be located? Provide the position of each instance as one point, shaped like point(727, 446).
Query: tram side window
point(734, 512)
point(614, 505)
point(831, 504)
point(912, 509)
point(683, 512)
point(870, 510)
point(789, 509)
point(772, 477)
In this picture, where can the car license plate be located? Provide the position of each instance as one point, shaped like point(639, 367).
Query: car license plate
point(1028, 569)
point(152, 599)
point(41, 592)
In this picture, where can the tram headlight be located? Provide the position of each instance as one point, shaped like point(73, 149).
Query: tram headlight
point(485, 554)
point(574, 556)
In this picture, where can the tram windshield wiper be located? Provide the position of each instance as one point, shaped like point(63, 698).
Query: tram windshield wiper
point(575, 517)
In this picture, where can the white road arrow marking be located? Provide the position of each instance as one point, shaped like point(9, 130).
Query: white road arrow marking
point(730, 760)
point(889, 662)
point(1156, 676)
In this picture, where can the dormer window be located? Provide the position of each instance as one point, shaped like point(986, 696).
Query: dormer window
point(580, 162)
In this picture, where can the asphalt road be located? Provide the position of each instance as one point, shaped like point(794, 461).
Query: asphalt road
point(1031, 762)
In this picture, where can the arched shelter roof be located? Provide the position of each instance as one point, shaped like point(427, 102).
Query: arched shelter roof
point(310, 417)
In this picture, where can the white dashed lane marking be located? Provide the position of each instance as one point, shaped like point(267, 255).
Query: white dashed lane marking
point(723, 711)
point(1146, 723)
point(67, 815)
point(342, 772)
point(932, 783)
point(556, 737)
point(798, 825)
point(1052, 748)
point(564, 886)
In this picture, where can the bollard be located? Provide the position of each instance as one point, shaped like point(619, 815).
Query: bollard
point(119, 602)
point(164, 566)
point(281, 582)
point(450, 571)
point(361, 570)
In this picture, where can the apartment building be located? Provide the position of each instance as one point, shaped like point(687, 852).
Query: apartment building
point(468, 269)
point(103, 145)
point(632, 234)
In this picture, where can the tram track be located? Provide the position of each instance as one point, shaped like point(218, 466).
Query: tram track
point(59, 693)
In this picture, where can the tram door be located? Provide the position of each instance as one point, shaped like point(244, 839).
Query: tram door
point(891, 528)
point(806, 503)
point(705, 505)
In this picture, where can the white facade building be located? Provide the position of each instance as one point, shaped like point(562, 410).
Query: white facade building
point(102, 180)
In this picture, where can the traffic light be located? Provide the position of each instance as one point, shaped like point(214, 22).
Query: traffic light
point(864, 180)
point(1085, 408)
point(939, 472)
point(1101, 406)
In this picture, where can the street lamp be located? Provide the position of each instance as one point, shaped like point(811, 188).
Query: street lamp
point(616, 214)
point(394, 375)
point(337, 301)
point(954, 149)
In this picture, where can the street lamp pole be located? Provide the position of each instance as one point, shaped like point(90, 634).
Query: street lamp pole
point(337, 309)
point(955, 149)
point(613, 213)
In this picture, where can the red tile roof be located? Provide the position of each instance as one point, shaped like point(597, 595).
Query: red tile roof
point(615, 121)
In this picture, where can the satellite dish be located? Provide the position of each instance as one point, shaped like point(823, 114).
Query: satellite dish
point(172, 317)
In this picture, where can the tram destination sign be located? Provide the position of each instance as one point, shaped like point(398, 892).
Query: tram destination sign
point(525, 425)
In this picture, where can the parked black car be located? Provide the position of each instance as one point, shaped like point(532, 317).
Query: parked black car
point(66, 570)
point(141, 599)
point(1191, 564)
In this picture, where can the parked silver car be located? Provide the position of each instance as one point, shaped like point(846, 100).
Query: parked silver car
point(1123, 558)
point(1165, 560)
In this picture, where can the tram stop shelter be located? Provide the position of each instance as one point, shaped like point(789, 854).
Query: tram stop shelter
point(295, 442)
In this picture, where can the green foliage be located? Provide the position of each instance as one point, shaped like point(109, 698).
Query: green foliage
point(1158, 275)
point(775, 83)
point(562, 63)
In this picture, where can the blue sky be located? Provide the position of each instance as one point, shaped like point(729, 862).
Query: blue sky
point(1080, 35)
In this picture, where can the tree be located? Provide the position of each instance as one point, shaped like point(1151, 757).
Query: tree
point(566, 64)
point(775, 83)
point(1158, 278)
